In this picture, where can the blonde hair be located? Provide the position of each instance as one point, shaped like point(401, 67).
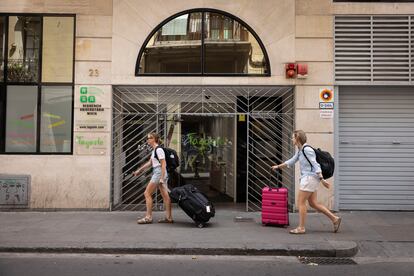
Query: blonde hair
point(300, 136)
point(155, 136)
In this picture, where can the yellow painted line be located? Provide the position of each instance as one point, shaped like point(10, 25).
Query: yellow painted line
point(51, 115)
point(56, 124)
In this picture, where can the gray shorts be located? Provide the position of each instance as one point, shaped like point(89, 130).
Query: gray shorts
point(156, 177)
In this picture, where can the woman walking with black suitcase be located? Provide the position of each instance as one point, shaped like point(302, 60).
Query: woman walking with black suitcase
point(158, 180)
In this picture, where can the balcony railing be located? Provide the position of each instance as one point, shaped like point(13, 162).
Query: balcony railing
point(22, 70)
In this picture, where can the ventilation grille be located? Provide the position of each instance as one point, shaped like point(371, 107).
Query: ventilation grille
point(374, 49)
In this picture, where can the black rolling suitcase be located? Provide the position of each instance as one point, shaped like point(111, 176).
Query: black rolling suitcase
point(194, 203)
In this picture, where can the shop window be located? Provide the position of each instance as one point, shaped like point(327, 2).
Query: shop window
point(2, 39)
point(21, 118)
point(228, 47)
point(57, 63)
point(36, 109)
point(55, 129)
point(23, 49)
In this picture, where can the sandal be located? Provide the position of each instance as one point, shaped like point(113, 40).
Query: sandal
point(144, 220)
point(336, 224)
point(165, 220)
point(297, 230)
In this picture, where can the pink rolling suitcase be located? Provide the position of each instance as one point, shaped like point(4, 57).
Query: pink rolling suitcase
point(275, 206)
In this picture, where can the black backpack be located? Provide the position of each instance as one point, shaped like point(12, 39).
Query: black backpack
point(171, 158)
point(324, 159)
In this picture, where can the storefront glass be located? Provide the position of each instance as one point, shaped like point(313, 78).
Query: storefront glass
point(57, 63)
point(36, 110)
point(2, 39)
point(21, 119)
point(23, 49)
point(207, 154)
point(55, 134)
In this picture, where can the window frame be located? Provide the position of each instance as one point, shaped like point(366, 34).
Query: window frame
point(203, 71)
point(5, 83)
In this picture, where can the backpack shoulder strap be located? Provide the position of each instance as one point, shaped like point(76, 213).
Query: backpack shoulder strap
point(303, 151)
point(155, 153)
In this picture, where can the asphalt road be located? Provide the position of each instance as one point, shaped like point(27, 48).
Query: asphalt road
point(100, 264)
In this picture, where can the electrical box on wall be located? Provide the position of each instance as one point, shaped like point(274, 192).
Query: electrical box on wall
point(14, 191)
point(302, 70)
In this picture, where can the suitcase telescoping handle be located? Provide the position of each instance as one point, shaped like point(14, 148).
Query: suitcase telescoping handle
point(279, 184)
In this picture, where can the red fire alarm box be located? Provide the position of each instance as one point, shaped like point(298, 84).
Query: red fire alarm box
point(302, 71)
point(290, 70)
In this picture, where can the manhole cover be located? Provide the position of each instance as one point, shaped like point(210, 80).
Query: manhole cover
point(326, 261)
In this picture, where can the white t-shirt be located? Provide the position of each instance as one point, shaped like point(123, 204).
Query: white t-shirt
point(160, 154)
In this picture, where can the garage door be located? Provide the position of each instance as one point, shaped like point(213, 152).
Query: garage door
point(376, 148)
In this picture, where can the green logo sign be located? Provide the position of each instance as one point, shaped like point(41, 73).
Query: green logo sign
point(84, 90)
point(91, 99)
point(83, 99)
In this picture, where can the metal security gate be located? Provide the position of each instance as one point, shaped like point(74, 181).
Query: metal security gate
point(264, 118)
point(376, 148)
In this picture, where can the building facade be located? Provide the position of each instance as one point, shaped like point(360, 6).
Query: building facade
point(83, 82)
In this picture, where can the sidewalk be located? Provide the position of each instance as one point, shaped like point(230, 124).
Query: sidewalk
point(117, 232)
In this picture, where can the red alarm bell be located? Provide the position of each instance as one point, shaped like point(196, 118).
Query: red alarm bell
point(290, 70)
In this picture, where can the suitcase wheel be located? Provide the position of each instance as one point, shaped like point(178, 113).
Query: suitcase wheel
point(200, 224)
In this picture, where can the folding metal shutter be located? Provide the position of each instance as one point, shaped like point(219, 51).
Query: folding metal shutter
point(374, 50)
point(376, 148)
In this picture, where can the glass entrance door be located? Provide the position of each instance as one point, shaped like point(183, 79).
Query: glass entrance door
point(207, 149)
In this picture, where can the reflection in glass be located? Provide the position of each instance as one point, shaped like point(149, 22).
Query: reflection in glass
point(21, 118)
point(23, 49)
point(57, 49)
point(2, 39)
point(55, 129)
point(231, 48)
point(228, 47)
point(175, 47)
point(207, 155)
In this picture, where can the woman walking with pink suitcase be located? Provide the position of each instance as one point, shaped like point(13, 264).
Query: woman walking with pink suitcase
point(310, 177)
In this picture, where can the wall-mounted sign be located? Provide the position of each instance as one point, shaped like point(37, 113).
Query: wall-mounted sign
point(93, 113)
point(326, 103)
point(98, 94)
point(91, 143)
point(326, 95)
point(92, 118)
point(326, 113)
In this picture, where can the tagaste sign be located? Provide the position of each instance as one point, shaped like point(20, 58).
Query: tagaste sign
point(91, 143)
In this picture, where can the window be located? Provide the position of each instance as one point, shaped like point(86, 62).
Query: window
point(57, 63)
point(2, 39)
point(36, 84)
point(23, 49)
point(55, 129)
point(228, 47)
point(21, 118)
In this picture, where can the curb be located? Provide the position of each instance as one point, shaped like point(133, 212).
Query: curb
point(336, 249)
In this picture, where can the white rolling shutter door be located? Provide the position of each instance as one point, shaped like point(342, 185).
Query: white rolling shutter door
point(376, 148)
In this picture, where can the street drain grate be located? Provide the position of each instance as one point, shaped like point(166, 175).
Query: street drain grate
point(326, 261)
